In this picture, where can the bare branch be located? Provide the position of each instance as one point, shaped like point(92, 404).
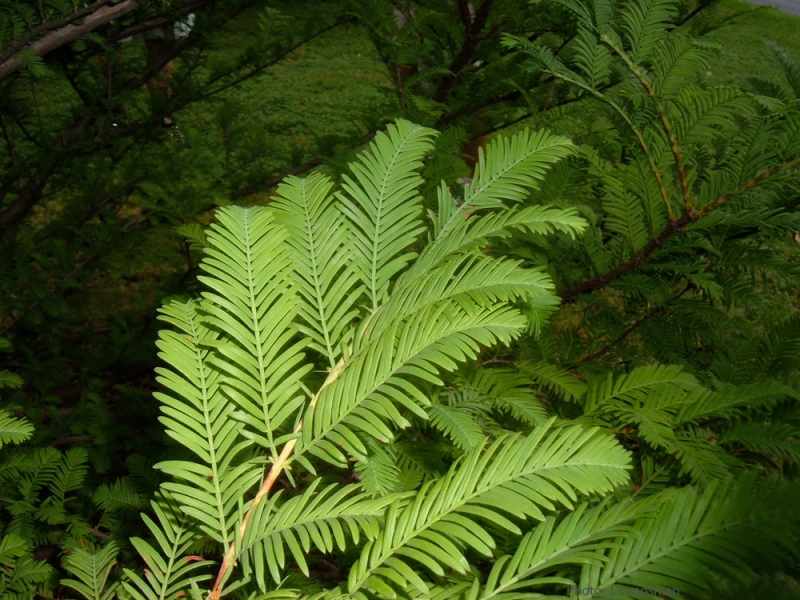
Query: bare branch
point(70, 33)
point(45, 27)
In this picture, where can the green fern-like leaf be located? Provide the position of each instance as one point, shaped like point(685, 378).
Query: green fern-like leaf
point(92, 570)
point(726, 528)
point(515, 475)
point(200, 417)
point(170, 571)
point(323, 261)
point(248, 266)
point(382, 205)
point(14, 430)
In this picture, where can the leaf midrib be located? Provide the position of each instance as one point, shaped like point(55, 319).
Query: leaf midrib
point(380, 205)
point(209, 435)
point(466, 500)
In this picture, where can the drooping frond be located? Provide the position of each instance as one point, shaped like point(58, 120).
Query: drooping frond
point(69, 474)
point(775, 441)
point(118, 496)
point(9, 379)
point(625, 215)
point(382, 205)
point(516, 475)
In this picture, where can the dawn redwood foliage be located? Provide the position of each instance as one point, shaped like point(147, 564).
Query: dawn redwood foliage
point(538, 380)
point(328, 342)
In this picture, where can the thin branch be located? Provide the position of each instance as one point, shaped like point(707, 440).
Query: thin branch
point(463, 58)
point(33, 190)
point(572, 293)
point(753, 182)
point(9, 145)
point(74, 84)
point(656, 312)
point(165, 18)
point(279, 463)
point(639, 137)
point(260, 69)
point(673, 142)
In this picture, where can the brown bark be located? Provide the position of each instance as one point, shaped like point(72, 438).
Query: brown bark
point(45, 27)
point(584, 287)
point(70, 33)
point(472, 29)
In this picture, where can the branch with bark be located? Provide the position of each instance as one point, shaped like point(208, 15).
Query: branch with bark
point(12, 62)
point(572, 293)
point(65, 147)
point(45, 27)
point(473, 29)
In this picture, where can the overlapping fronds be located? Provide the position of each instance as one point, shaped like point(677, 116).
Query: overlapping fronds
point(332, 518)
point(478, 279)
point(515, 475)
point(459, 422)
point(20, 572)
point(725, 529)
point(578, 539)
point(249, 268)
point(736, 401)
point(511, 392)
point(362, 397)
point(471, 233)
point(637, 386)
point(672, 412)
point(294, 275)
